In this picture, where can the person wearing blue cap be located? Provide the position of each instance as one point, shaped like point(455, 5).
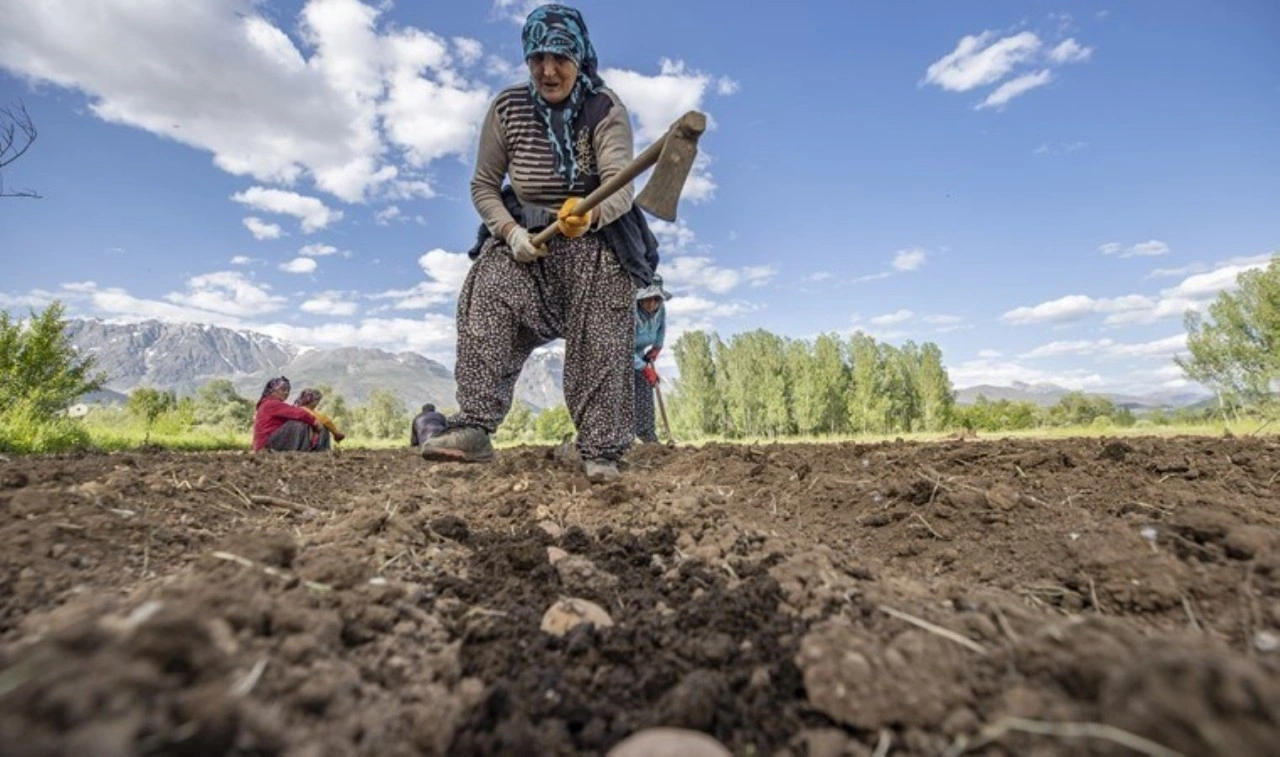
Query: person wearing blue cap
point(651, 330)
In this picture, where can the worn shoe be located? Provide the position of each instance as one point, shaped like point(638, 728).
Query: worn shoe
point(601, 471)
point(466, 444)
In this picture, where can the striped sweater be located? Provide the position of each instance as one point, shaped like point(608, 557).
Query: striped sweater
point(513, 142)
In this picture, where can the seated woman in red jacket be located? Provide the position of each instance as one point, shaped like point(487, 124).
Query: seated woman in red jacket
point(279, 426)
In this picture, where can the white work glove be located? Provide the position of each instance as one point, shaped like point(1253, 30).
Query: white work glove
point(522, 248)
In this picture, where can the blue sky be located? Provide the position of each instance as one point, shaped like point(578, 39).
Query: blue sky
point(1041, 188)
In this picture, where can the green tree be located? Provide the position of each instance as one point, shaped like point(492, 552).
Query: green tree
point(900, 398)
point(384, 416)
point(1235, 349)
point(937, 396)
point(41, 375)
point(831, 379)
point(554, 424)
point(517, 426)
point(866, 398)
point(697, 405)
point(38, 365)
point(147, 404)
point(752, 378)
point(1079, 409)
point(806, 389)
point(218, 404)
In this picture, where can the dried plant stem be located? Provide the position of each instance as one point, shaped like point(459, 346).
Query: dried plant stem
point(1065, 730)
point(936, 535)
point(934, 629)
point(269, 501)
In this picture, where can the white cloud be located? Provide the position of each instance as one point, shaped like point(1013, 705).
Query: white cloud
point(759, 275)
point(1058, 148)
point(469, 50)
point(445, 273)
point(229, 293)
point(694, 312)
point(819, 276)
point(515, 11)
point(908, 260)
point(1192, 293)
point(386, 215)
point(1181, 271)
point(993, 371)
point(433, 335)
point(695, 273)
point(889, 319)
point(870, 277)
point(990, 354)
point(1160, 348)
point(222, 76)
point(228, 299)
point(1014, 87)
point(657, 101)
point(313, 213)
point(329, 303)
point(37, 299)
point(261, 229)
point(726, 86)
point(317, 250)
point(673, 237)
point(944, 323)
point(978, 60)
point(299, 265)
point(1069, 308)
point(1077, 347)
point(1149, 248)
point(243, 260)
point(412, 112)
point(983, 59)
point(1070, 51)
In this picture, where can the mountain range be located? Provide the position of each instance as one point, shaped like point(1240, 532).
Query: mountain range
point(1047, 395)
point(184, 356)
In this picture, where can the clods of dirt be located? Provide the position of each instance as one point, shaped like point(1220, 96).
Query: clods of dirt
point(968, 596)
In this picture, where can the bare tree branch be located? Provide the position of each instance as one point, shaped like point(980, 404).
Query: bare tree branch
point(17, 134)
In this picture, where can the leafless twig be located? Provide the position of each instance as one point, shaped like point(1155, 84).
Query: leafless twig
point(17, 134)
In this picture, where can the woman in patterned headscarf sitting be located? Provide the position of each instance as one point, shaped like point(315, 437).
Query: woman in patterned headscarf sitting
point(309, 400)
point(556, 138)
point(279, 426)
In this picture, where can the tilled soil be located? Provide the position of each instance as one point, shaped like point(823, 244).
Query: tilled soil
point(988, 597)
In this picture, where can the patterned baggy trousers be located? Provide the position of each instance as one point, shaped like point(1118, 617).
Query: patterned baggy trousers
point(506, 309)
point(644, 409)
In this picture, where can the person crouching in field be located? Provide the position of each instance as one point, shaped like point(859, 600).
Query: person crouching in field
point(308, 399)
point(279, 426)
point(427, 424)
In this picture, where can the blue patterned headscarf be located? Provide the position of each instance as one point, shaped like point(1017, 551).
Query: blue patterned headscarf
point(560, 30)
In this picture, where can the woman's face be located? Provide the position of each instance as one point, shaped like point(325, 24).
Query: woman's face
point(650, 304)
point(553, 76)
point(281, 393)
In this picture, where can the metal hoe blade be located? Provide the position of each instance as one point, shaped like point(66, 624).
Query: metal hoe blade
point(661, 194)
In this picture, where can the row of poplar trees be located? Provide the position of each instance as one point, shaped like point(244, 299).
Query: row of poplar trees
point(759, 384)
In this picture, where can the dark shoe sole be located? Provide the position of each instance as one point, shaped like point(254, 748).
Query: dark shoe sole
point(440, 454)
